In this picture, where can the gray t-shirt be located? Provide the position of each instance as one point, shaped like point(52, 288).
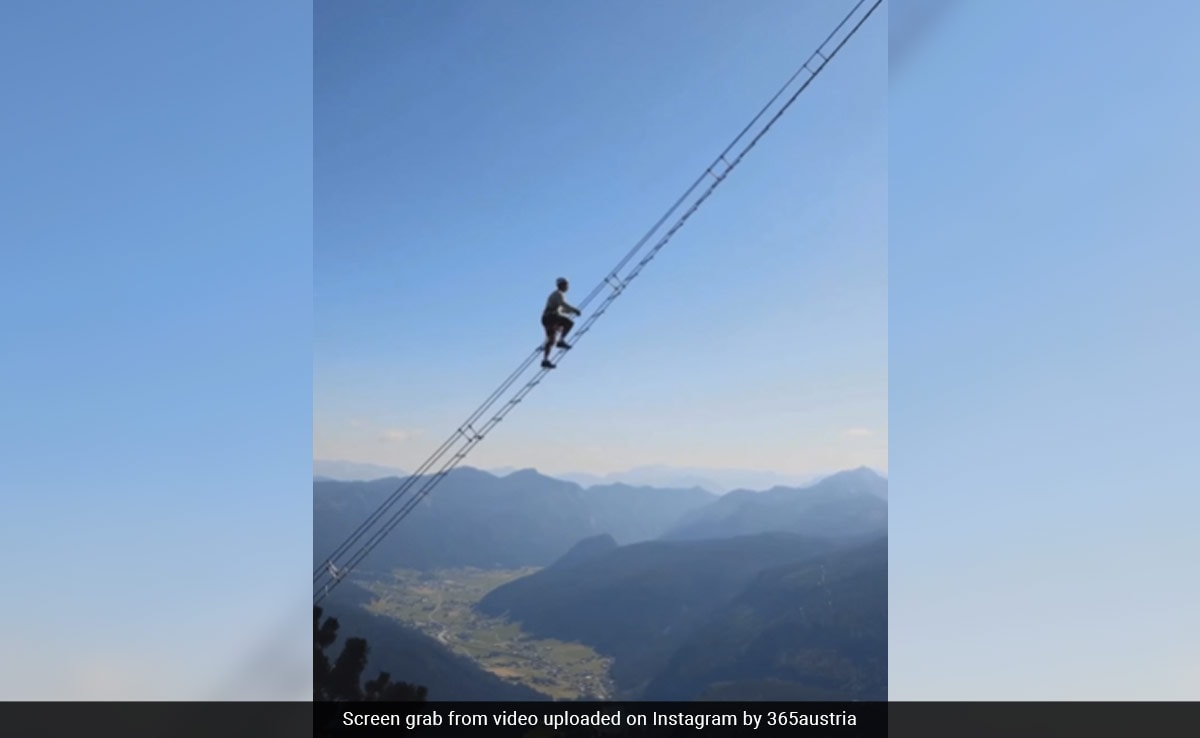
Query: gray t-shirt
point(556, 304)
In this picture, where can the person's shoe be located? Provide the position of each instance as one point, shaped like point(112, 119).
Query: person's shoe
point(547, 365)
point(563, 345)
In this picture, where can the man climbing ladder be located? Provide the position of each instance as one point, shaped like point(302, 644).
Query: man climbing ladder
point(554, 319)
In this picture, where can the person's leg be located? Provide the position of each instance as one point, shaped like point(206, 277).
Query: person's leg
point(551, 331)
point(566, 324)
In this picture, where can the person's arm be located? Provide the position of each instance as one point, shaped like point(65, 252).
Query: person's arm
point(557, 302)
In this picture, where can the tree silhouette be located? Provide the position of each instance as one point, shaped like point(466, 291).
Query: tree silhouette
point(340, 682)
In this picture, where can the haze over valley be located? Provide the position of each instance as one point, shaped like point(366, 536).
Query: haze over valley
point(525, 586)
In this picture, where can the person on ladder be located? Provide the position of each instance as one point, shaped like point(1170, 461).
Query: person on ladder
point(554, 319)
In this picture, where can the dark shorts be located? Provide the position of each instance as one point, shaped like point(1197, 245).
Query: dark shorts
point(551, 321)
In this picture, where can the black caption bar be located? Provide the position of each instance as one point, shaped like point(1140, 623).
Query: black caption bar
point(1043, 719)
point(602, 718)
point(898, 719)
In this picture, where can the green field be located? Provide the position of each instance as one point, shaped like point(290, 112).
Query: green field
point(440, 605)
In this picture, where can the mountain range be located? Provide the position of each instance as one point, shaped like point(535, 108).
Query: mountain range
point(474, 518)
point(717, 481)
point(638, 603)
point(714, 480)
point(850, 503)
point(777, 594)
point(814, 629)
point(752, 617)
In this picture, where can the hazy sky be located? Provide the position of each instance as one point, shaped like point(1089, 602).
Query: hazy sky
point(468, 153)
point(1045, 170)
point(155, 386)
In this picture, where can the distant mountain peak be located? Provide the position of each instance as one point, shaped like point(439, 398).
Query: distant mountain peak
point(863, 474)
point(861, 471)
point(862, 479)
point(528, 472)
point(850, 502)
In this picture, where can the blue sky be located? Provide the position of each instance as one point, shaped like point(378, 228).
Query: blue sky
point(1043, 228)
point(155, 303)
point(466, 154)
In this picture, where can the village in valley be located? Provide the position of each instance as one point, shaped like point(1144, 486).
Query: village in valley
point(440, 604)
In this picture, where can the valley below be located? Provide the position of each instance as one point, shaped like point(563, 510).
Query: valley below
point(441, 604)
point(529, 588)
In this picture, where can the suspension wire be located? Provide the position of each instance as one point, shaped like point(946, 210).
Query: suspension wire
point(408, 483)
point(473, 436)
